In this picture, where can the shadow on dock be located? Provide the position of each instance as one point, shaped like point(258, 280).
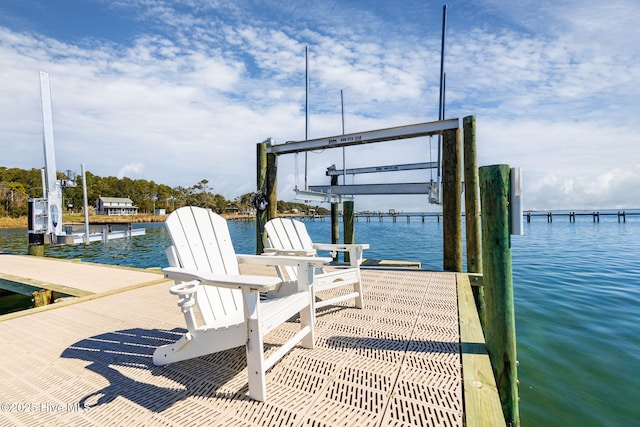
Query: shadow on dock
point(113, 355)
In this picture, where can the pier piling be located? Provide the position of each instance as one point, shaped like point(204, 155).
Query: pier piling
point(500, 332)
point(349, 229)
point(472, 211)
point(452, 199)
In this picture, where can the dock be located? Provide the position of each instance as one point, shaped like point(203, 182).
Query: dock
point(398, 361)
point(26, 274)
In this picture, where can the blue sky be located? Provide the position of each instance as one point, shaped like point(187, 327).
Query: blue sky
point(180, 91)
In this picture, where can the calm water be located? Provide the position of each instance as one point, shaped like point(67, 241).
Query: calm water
point(577, 292)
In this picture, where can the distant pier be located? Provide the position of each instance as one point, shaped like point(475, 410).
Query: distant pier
point(437, 216)
point(594, 215)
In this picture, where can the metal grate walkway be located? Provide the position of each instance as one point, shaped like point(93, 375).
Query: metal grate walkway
point(394, 363)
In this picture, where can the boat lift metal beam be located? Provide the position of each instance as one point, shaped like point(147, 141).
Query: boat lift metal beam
point(332, 171)
point(368, 137)
point(373, 189)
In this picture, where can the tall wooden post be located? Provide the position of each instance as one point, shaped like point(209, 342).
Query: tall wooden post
point(471, 209)
point(261, 215)
point(267, 183)
point(335, 218)
point(451, 199)
point(500, 330)
point(36, 244)
point(348, 214)
point(272, 186)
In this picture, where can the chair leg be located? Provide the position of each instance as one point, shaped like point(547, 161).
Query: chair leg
point(357, 287)
point(308, 318)
point(308, 314)
point(255, 347)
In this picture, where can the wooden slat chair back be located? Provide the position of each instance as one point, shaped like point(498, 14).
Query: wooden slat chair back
point(291, 236)
point(287, 236)
point(205, 267)
point(202, 242)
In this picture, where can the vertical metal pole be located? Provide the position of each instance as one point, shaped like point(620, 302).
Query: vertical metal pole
point(86, 205)
point(441, 97)
point(344, 161)
point(44, 182)
point(306, 110)
point(442, 44)
point(54, 192)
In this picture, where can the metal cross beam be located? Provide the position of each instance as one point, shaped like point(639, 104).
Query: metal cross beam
point(332, 171)
point(369, 137)
point(374, 189)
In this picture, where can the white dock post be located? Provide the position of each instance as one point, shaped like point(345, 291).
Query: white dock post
point(85, 207)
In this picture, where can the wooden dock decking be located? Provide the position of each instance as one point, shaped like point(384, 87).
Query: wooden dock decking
point(397, 362)
point(71, 277)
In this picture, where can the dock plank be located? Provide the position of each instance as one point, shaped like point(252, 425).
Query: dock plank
point(395, 362)
point(72, 277)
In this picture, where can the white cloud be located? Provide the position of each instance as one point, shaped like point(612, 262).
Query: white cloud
point(553, 86)
point(131, 170)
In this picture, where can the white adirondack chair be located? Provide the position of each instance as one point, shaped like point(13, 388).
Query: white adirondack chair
point(205, 267)
point(287, 236)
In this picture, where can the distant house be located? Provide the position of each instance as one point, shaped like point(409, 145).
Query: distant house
point(115, 206)
point(232, 208)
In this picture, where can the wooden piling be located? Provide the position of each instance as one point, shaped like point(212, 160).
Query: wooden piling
point(42, 297)
point(267, 179)
point(261, 215)
point(452, 200)
point(622, 215)
point(335, 219)
point(500, 330)
point(471, 209)
point(36, 249)
point(349, 230)
point(272, 186)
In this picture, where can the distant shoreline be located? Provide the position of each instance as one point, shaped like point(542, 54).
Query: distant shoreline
point(21, 222)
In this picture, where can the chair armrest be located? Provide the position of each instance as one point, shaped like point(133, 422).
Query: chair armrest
point(355, 250)
point(261, 283)
point(281, 260)
point(340, 246)
point(289, 252)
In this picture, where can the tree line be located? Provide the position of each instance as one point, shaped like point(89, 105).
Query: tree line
point(17, 186)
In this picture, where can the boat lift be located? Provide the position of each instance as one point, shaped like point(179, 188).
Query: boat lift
point(333, 193)
point(45, 213)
